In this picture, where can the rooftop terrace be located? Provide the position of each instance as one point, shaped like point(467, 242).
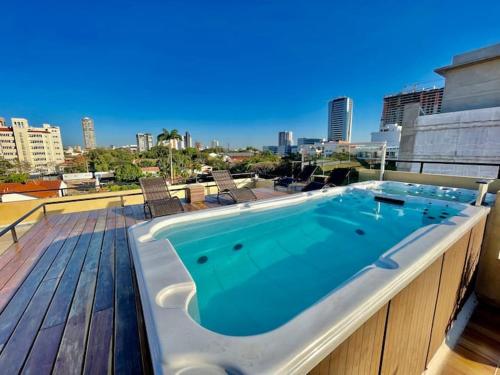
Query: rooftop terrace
point(69, 301)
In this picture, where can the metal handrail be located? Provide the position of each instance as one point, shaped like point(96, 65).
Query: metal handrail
point(12, 227)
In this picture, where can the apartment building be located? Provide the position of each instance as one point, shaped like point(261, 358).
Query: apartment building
point(144, 141)
point(40, 147)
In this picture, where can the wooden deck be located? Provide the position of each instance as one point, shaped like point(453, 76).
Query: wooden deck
point(68, 299)
point(69, 303)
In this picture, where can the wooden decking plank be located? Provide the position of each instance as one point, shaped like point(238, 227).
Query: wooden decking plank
point(127, 358)
point(47, 341)
point(57, 268)
point(72, 349)
point(46, 345)
point(12, 313)
point(44, 350)
point(16, 270)
point(98, 358)
point(14, 354)
point(25, 240)
point(59, 307)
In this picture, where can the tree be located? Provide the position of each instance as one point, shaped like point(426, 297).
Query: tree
point(128, 172)
point(17, 177)
point(5, 166)
point(167, 136)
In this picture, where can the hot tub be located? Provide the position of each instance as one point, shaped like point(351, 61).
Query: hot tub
point(273, 286)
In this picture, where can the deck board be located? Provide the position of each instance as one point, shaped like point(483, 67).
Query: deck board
point(68, 295)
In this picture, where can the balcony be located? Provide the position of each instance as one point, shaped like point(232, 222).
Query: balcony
point(69, 298)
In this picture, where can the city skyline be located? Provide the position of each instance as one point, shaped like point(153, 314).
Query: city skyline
point(225, 73)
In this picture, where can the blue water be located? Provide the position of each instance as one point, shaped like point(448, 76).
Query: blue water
point(255, 271)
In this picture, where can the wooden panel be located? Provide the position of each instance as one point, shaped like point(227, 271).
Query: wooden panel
point(360, 353)
point(409, 324)
point(451, 275)
point(476, 240)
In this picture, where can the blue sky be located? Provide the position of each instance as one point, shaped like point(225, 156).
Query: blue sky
point(237, 71)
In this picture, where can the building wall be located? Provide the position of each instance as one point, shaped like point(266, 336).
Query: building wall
point(41, 147)
point(473, 80)
point(468, 136)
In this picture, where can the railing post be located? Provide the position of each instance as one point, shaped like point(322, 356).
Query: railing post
point(122, 202)
point(14, 234)
point(44, 210)
point(421, 167)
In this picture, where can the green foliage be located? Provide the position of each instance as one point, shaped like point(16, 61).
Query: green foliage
point(4, 167)
point(103, 160)
point(115, 187)
point(128, 172)
point(17, 177)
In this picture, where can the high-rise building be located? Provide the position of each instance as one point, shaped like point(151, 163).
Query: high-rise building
point(285, 138)
point(144, 141)
point(340, 119)
point(41, 148)
point(88, 133)
point(429, 100)
point(188, 141)
point(214, 143)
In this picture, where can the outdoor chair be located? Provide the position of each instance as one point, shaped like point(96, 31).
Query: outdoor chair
point(157, 198)
point(226, 185)
point(336, 177)
point(304, 176)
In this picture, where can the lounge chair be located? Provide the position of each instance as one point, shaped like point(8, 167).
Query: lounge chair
point(304, 176)
point(226, 185)
point(157, 198)
point(336, 177)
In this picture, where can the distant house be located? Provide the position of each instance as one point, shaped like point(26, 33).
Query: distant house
point(34, 189)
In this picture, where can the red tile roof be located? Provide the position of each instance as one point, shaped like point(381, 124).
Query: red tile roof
point(34, 188)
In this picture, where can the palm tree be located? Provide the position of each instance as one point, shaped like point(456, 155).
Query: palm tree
point(168, 137)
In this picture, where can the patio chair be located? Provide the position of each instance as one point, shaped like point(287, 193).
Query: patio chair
point(304, 176)
point(336, 177)
point(226, 185)
point(157, 198)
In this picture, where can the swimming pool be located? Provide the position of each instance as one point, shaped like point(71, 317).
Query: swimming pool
point(259, 287)
point(256, 270)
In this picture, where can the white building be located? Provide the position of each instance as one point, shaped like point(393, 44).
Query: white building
point(391, 135)
point(144, 141)
point(41, 148)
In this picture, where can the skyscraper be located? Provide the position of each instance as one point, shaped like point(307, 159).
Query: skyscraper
point(285, 138)
point(188, 141)
point(88, 133)
point(340, 119)
point(144, 141)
